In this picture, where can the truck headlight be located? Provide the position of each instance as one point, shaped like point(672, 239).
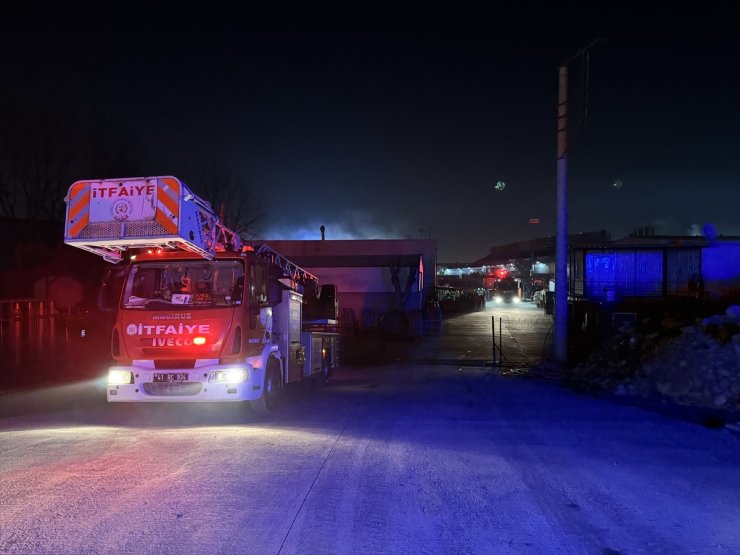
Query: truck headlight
point(230, 375)
point(516, 299)
point(120, 377)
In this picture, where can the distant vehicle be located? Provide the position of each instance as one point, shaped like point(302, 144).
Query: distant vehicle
point(501, 287)
point(506, 290)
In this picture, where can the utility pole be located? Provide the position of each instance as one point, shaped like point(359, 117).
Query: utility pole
point(560, 333)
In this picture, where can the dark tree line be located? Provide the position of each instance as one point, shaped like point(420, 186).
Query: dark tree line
point(238, 206)
point(45, 148)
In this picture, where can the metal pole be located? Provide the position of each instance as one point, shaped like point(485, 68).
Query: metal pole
point(500, 344)
point(560, 336)
point(560, 333)
point(493, 337)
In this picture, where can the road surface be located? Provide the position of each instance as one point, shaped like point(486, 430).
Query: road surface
point(399, 458)
point(520, 334)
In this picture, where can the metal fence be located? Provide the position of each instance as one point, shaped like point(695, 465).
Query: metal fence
point(26, 309)
point(520, 338)
point(39, 345)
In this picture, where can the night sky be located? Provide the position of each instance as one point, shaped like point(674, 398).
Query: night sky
point(398, 122)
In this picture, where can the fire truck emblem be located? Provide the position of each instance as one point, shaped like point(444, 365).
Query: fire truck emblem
point(168, 329)
point(121, 209)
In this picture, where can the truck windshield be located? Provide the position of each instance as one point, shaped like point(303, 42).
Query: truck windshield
point(186, 283)
point(506, 284)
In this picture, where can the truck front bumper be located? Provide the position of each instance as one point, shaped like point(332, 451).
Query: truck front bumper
point(211, 383)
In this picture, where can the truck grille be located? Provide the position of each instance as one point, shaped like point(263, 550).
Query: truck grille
point(174, 364)
point(173, 389)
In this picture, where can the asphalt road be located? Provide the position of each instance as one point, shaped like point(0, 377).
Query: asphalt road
point(518, 334)
point(398, 458)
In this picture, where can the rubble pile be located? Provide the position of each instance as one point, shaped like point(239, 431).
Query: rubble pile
point(695, 363)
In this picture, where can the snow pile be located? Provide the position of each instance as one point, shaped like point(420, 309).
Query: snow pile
point(696, 364)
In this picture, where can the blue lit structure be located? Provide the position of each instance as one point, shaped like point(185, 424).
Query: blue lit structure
point(655, 267)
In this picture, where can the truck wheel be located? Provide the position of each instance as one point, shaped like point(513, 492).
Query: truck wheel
point(271, 390)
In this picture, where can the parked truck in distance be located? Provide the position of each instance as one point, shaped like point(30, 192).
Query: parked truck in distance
point(501, 286)
point(203, 315)
point(506, 290)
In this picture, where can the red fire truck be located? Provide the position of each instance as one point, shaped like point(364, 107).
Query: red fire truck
point(203, 315)
point(501, 286)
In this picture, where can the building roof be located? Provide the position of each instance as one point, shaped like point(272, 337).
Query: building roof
point(538, 248)
point(357, 260)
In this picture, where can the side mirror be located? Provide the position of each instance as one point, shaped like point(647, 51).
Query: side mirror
point(109, 291)
point(328, 301)
point(274, 293)
point(274, 287)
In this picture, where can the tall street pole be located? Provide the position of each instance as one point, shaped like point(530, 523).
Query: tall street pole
point(560, 334)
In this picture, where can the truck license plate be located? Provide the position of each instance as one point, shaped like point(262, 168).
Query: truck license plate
point(168, 377)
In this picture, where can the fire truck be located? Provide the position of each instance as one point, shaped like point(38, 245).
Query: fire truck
point(501, 286)
point(202, 315)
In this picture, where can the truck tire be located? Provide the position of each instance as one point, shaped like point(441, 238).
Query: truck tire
point(271, 391)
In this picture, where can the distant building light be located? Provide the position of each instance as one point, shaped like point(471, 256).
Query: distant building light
point(534, 220)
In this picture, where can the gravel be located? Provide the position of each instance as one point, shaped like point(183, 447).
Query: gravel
point(692, 364)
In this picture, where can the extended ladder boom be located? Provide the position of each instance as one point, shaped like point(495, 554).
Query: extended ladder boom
point(291, 270)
